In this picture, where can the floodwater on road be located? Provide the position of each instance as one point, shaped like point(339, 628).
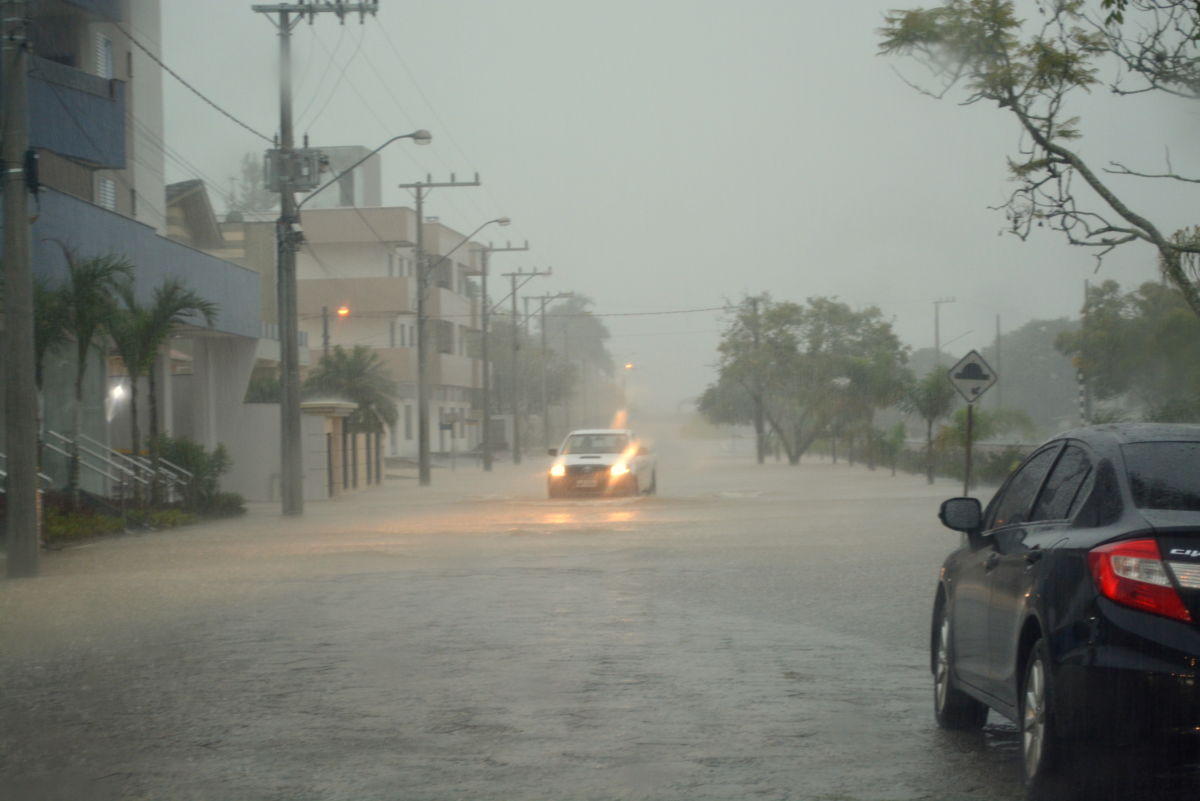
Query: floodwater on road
point(751, 632)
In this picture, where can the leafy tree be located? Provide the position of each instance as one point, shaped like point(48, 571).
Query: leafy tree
point(931, 399)
point(1141, 350)
point(798, 362)
point(574, 331)
point(981, 46)
point(359, 376)
point(250, 188)
point(985, 424)
point(86, 302)
point(562, 373)
point(1034, 375)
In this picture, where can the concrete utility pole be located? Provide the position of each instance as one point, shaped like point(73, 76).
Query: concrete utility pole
point(289, 236)
point(20, 427)
point(760, 450)
point(423, 275)
point(485, 315)
point(543, 299)
point(937, 329)
point(516, 347)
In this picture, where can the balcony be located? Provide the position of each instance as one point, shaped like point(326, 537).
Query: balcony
point(76, 114)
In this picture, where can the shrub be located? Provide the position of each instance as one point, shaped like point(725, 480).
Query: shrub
point(226, 504)
point(201, 492)
point(63, 526)
point(161, 518)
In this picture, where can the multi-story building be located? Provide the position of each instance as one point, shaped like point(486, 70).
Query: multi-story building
point(362, 260)
point(96, 124)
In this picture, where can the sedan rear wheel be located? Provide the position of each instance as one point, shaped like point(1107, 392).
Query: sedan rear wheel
point(953, 708)
point(1043, 751)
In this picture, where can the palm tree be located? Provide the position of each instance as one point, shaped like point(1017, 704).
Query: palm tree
point(931, 399)
point(173, 306)
point(358, 376)
point(127, 328)
point(87, 303)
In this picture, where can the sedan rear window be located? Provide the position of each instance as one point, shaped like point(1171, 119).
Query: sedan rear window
point(1164, 475)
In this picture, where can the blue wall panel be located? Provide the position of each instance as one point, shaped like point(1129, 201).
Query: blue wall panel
point(91, 231)
point(76, 114)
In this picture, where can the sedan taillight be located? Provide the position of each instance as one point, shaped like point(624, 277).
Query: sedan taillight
point(1132, 573)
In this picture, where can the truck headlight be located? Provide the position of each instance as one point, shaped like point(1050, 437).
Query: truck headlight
point(619, 469)
point(558, 470)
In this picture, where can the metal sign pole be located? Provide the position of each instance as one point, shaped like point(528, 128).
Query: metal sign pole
point(970, 426)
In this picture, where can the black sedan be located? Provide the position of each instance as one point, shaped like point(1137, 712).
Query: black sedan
point(1072, 606)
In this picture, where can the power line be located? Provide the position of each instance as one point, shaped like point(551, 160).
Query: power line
point(336, 84)
point(443, 128)
point(188, 86)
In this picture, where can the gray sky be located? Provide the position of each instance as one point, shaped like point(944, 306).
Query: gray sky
point(666, 155)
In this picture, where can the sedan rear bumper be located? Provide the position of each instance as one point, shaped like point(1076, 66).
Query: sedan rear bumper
point(1137, 675)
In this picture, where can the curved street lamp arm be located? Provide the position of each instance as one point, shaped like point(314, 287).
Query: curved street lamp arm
point(421, 137)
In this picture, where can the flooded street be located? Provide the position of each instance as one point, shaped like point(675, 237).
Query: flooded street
point(749, 632)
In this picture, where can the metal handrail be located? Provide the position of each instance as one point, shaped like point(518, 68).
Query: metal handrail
point(117, 479)
point(121, 456)
point(4, 474)
point(131, 473)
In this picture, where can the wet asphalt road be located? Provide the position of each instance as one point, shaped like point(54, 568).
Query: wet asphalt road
point(752, 632)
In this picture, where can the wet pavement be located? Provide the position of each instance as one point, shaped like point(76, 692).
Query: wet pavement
point(751, 632)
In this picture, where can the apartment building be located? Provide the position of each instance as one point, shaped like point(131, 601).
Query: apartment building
point(96, 124)
point(361, 261)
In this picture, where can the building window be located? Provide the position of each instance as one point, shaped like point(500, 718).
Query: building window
point(104, 56)
point(132, 202)
point(391, 265)
point(407, 422)
point(106, 193)
point(392, 334)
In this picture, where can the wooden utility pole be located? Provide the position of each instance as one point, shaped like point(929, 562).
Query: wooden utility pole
point(20, 421)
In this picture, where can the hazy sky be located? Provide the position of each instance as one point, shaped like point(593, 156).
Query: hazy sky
point(668, 155)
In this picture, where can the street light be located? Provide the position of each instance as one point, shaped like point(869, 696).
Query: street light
point(419, 137)
point(289, 235)
point(423, 273)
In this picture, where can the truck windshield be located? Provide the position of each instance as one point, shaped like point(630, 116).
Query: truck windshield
point(596, 443)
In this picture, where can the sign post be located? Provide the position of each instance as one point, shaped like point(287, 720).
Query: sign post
point(972, 377)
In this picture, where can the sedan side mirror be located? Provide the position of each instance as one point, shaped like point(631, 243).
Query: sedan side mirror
point(553, 451)
point(961, 514)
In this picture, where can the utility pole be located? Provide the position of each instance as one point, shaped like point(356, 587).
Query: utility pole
point(759, 426)
point(998, 368)
point(1085, 389)
point(485, 316)
point(293, 170)
point(325, 331)
point(937, 330)
point(419, 189)
point(21, 423)
point(545, 358)
point(516, 347)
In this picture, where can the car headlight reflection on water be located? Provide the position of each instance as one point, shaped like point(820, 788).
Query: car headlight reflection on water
point(558, 470)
